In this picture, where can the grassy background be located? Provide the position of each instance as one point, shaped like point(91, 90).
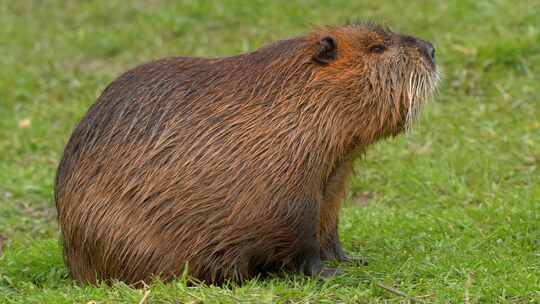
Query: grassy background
point(448, 213)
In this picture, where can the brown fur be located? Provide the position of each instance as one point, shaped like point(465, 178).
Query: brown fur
point(223, 165)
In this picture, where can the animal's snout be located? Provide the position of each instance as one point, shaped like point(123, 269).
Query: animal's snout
point(428, 50)
point(431, 51)
point(425, 47)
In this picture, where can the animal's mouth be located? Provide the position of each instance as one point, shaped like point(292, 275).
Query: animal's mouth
point(422, 84)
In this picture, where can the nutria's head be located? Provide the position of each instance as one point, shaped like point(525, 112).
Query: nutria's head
point(377, 78)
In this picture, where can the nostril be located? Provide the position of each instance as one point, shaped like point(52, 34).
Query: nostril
point(429, 51)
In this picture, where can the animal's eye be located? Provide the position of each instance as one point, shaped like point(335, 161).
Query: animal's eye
point(378, 48)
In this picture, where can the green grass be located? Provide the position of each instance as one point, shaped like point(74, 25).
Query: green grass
point(447, 213)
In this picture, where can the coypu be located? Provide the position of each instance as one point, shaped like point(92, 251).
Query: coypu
point(233, 166)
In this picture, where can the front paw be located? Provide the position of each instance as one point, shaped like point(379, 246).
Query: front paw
point(353, 259)
point(328, 273)
point(308, 264)
point(334, 252)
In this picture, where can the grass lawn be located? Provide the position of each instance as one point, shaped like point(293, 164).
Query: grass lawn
point(449, 213)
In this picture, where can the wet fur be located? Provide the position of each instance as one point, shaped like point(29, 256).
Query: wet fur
point(230, 166)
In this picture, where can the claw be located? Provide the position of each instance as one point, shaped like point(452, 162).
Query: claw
point(354, 259)
point(328, 273)
point(310, 266)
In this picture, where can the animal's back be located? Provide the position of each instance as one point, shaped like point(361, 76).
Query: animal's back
point(163, 171)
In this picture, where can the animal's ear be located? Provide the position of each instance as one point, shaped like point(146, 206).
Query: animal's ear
point(326, 50)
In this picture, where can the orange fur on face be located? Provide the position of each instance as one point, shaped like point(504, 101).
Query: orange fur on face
point(216, 164)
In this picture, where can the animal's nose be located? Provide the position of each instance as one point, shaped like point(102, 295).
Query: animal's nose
point(425, 47)
point(430, 50)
